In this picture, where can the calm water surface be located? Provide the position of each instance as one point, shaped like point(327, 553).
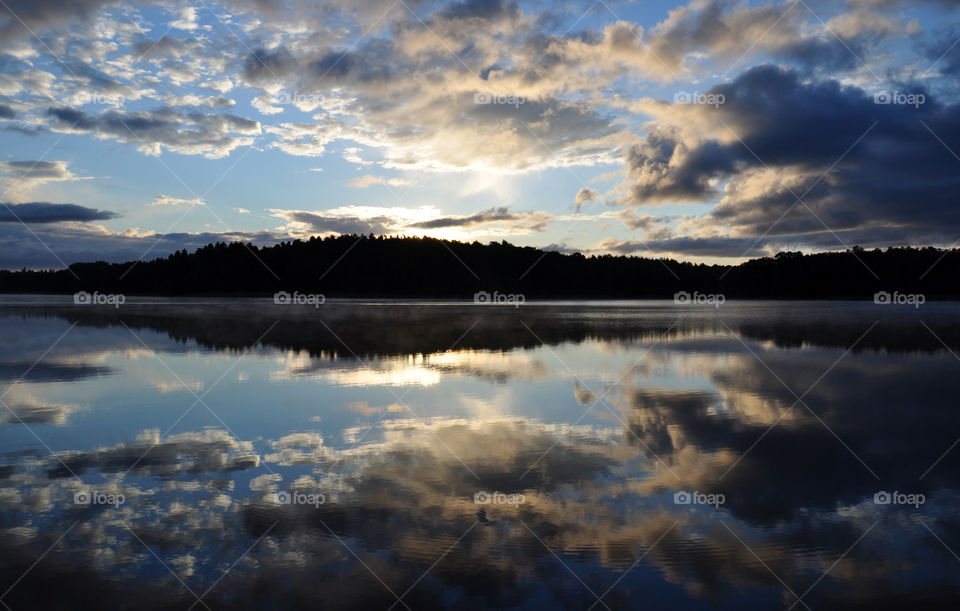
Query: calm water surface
point(644, 455)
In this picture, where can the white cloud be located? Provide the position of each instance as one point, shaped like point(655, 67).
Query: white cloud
point(362, 182)
point(187, 19)
point(166, 200)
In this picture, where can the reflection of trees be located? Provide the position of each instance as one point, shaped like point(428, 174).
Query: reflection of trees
point(371, 331)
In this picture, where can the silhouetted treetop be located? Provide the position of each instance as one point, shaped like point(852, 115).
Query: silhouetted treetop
point(378, 266)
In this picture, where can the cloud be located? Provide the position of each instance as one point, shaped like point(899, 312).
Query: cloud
point(43, 212)
point(536, 221)
point(211, 135)
point(869, 173)
point(363, 182)
point(41, 14)
point(19, 177)
point(584, 195)
point(501, 87)
point(316, 223)
point(187, 19)
point(166, 200)
point(714, 246)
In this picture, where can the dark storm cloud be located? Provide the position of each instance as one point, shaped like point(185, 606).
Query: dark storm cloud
point(896, 175)
point(6, 112)
point(44, 212)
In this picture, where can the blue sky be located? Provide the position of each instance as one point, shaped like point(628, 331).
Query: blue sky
point(708, 130)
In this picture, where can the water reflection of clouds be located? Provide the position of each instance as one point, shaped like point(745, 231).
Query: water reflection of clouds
point(24, 406)
point(596, 491)
point(403, 500)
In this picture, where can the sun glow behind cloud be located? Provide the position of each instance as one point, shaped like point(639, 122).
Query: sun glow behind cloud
point(482, 120)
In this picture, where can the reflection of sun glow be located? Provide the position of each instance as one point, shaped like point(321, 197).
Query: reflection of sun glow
point(414, 370)
point(392, 373)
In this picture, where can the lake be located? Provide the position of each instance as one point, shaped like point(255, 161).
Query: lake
point(215, 453)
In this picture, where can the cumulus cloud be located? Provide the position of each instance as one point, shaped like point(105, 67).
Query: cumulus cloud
point(186, 19)
point(868, 172)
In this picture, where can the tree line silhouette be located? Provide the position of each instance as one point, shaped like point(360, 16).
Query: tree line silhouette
point(378, 266)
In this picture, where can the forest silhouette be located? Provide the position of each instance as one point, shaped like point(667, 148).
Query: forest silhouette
point(409, 267)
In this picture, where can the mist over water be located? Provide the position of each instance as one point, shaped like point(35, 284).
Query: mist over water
point(425, 455)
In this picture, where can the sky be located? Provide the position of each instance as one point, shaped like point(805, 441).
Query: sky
point(714, 131)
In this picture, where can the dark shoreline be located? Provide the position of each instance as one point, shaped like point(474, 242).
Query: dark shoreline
point(371, 267)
